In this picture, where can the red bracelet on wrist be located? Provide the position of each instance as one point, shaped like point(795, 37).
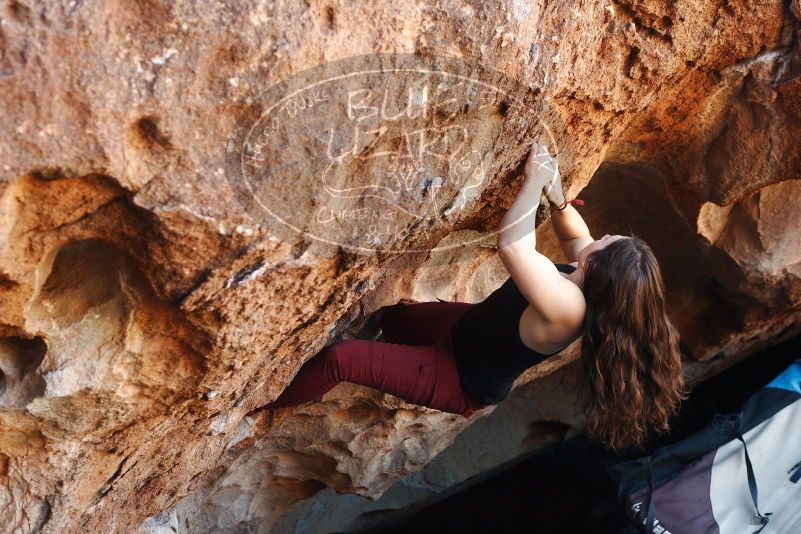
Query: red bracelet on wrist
point(577, 201)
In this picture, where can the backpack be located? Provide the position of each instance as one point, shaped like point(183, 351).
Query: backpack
point(739, 474)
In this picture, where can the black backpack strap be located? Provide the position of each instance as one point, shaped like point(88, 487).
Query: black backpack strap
point(650, 517)
point(752, 486)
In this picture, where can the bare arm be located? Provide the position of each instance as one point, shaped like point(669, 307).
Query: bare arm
point(552, 296)
point(571, 230)
point(518, 224)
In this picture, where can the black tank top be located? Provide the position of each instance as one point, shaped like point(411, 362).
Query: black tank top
point(486, 340)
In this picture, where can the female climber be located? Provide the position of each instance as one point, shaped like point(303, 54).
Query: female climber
point(459, 357)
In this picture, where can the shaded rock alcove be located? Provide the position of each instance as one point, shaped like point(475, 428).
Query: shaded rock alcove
point(20, 381)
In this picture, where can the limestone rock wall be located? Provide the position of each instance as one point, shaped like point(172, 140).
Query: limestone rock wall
point(143, 311)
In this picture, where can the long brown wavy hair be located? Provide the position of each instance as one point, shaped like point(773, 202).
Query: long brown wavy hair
point(630, 348)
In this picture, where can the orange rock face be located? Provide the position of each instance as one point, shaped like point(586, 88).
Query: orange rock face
point(146, 305)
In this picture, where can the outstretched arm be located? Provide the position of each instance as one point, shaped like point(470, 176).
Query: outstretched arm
point(518, 224)
point(571, 230)
point(550, 294)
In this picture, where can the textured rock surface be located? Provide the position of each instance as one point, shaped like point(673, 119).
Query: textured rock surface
point(144, 312)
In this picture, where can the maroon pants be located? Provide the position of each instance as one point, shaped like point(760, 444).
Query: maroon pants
point(416, 363)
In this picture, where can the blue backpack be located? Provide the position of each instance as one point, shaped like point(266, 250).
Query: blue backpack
point(740, 474)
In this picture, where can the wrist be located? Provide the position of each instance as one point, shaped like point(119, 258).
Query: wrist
point(560, 205)
point(566, 203)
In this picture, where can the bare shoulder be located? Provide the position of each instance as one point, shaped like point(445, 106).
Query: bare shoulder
point(548, 335)
point(555, 304)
